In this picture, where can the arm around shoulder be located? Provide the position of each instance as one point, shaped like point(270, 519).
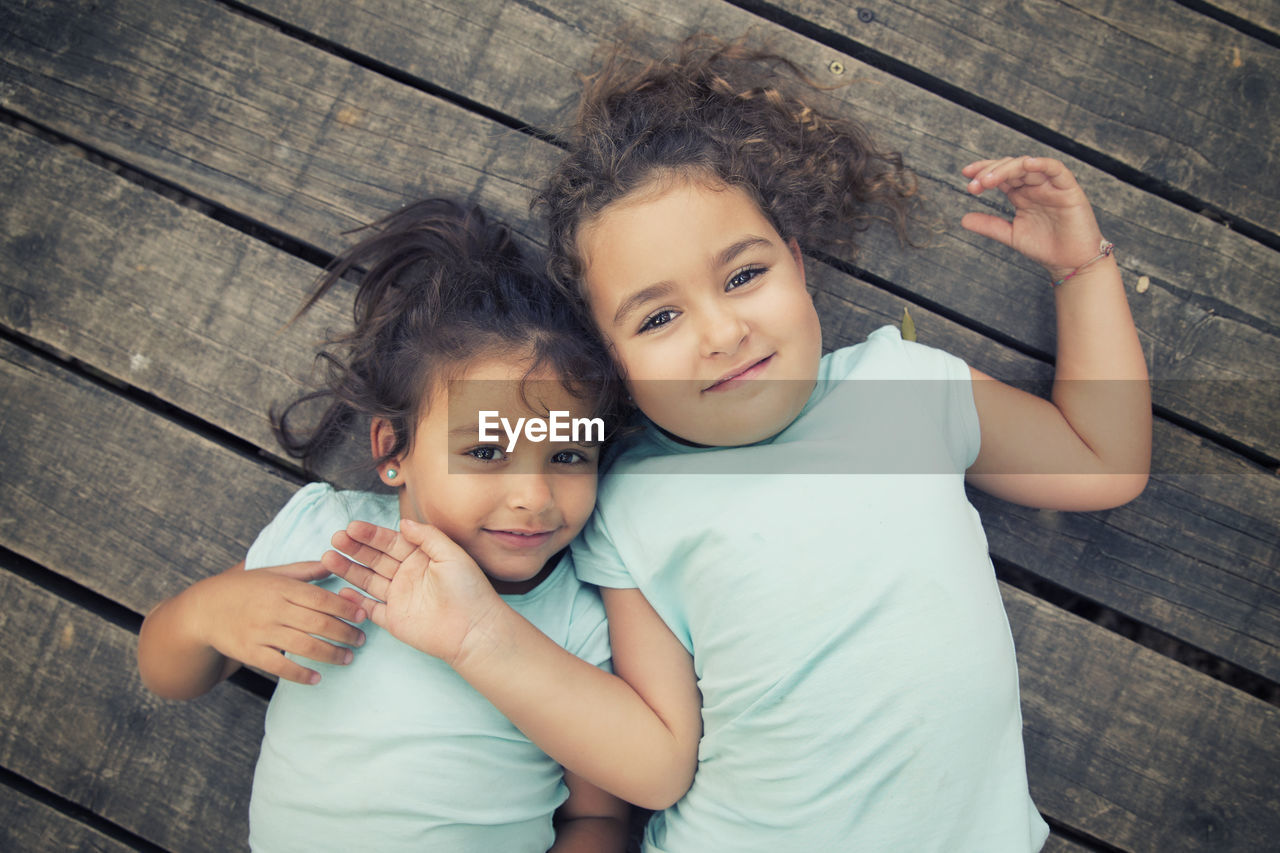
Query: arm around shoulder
point(634, 733)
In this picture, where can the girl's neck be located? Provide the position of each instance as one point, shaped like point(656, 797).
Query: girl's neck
point(522, 587)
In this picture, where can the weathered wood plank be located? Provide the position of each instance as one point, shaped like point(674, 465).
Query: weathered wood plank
point(1181, 98)
point(250, 119)
point(120, 500)
point(314, 142)
point(76, 720)
point(1101, 718)
point(1057, 844)
point(190, 285)
point(1261, 13)
point(33, 827)
point(197, 311)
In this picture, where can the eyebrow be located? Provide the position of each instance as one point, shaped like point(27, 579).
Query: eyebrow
point(748, 242)
point(470, 429)
point(645, 294)
point(662, 288)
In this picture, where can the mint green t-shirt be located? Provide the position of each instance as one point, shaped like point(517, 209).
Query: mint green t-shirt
point(395, 752)
point(833, 585)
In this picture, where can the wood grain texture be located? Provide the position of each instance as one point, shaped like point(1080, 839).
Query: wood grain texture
point(1264, 14)
point(1100, 726)
point(31, 826)
point(119, 499)
point(76, 720)
point(250, 119)
point(153, 294)
point(1184, 100)
point(196, 310)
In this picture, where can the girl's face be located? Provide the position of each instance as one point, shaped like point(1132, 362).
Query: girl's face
point(706, 310)
point(510, 510)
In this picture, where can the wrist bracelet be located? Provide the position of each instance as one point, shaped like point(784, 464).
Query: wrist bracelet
point(1106, 247)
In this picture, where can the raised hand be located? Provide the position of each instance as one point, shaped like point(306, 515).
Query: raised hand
point(1053, 223)
point(254, 616)
point(429, 593)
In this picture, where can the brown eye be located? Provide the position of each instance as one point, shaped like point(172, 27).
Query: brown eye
point(657, 319)
point(742, 277)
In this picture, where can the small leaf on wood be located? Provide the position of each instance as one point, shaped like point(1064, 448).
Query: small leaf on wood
point(908, 326)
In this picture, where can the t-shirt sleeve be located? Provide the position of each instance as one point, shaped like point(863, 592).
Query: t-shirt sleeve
point(595, 557)
point(589, 629)
point(301, 530)
point(947, 379)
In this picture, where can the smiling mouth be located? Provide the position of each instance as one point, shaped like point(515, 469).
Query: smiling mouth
point(750, 371)
point(521, 539)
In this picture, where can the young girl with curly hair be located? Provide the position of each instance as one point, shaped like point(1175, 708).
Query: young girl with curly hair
point(375, 746)
point(801, 603)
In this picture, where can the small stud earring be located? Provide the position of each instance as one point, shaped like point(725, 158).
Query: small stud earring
point(391, 473)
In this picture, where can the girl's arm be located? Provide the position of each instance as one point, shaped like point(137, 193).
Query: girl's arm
point(203, 634)
point(636, 738)
point(590, 821)
point(1089, 446)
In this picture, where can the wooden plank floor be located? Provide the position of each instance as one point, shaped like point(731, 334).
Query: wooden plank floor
point(175, 171)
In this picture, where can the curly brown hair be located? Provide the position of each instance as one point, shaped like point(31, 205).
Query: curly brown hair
point(442, 284)
point(734, 113)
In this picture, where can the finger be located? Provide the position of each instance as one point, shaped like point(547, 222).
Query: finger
point(992, 227)
point(306, 646)
point(368, 557)
point(273, 662)
point(975, 167)
point(323, 626)
point(1002, 171)
point(382, 539)
point(359, 598)
point(1053, 170)
point(309, 570)
point(377, 610)
point(432, 541)
point(989, 176)
point(356, 574)
point(323, 601)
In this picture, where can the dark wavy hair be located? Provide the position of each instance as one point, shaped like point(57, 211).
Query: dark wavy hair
point(733, 113)
point(442, 284)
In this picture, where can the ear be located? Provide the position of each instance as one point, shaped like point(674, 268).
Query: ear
point(794, 245)
point(382, 437)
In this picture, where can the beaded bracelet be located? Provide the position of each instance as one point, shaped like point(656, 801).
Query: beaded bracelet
point(1106, 247)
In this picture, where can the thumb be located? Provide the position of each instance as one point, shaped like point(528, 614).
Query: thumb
point(989, 226)
point(433, 541)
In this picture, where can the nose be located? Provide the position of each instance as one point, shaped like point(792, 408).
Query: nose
point(722, 329)
point(530, 492)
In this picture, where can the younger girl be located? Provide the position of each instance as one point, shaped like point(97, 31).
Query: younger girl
point(796, 547)
point(395, 751)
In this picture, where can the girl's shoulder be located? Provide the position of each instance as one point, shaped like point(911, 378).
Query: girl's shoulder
point(303, 527)
point(885, 355)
